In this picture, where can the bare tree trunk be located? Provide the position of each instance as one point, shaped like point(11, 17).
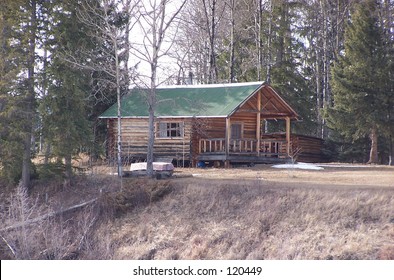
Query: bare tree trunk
point(68, 170)
point(30, 99)
point(156, 35)
point(47, 152)
point(326, 65)
point(127, 47)
point(151, 110)
point(210, 19)
point(259, 41)
point(119, 112)
point(44, 93)
point(232, 48)
point(157, 21)
point(151, 134)
point(213, 72)
point(373, 154)
point(269, 42)
point(318, 93)
point(391, 152)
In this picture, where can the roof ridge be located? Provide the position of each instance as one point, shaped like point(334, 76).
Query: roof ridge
point(213, 85)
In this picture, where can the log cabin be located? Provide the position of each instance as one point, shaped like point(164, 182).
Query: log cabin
point(219, 124)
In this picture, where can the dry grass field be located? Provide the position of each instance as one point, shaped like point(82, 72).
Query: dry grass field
point(341, 212)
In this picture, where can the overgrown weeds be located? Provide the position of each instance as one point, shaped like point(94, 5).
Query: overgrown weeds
point(32, 229)
point(57, 222)
point(249, 221)
point(200, 218)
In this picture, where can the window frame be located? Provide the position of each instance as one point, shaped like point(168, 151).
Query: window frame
point(165, 129)
point(241, 126)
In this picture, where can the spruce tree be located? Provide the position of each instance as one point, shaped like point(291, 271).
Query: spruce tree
point(17, 93)
point(286, 71)
point(357, 79)
point(63, 108)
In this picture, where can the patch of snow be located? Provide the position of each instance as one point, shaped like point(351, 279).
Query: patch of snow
point(344, 165)
point(299, 165)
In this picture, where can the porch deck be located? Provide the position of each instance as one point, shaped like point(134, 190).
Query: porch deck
point(272, 149)
point(243, 150)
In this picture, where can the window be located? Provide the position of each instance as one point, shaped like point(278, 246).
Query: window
point(170, 130)
point(236, 131)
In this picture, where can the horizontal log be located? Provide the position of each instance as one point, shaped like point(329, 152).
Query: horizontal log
point(49, 215)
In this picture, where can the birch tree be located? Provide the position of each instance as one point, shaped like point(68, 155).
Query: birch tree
point(157, 16)
point(327, 22)
point(192, 41)
point(232, 8)
point(111, 22)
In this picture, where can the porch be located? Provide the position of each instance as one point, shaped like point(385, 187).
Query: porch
point(265, 150)
point(271, 148)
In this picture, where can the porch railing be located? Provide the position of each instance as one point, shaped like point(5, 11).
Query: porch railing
point(214, 146)
point(268, 147)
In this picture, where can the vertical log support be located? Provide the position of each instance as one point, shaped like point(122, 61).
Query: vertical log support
point(228, 134)
point(258, 123)
point(288, 135)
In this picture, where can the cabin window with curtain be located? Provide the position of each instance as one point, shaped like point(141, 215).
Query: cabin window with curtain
point(170, 130)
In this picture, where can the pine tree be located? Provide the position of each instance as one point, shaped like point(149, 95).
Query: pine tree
point(386, 19)
point(357, 79)
point(63, 107)
point(286, 71)
point(17, 93)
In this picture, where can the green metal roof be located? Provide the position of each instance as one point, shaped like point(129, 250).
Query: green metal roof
point(186, 101)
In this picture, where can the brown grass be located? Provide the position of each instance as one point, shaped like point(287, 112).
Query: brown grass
point(242, 213)
point(251, 220)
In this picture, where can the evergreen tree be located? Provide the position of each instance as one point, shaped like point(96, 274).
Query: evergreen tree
point(28, 78)
point(358, 77)
point(17, 94)
point(286, 72)
point(386, 19)
point(63, 107)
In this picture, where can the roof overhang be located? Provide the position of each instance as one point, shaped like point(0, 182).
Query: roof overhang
point(293, 114)
point(221, 103)
point(165, 117)
point(247, 99)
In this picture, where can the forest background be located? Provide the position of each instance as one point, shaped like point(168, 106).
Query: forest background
point(62, 63)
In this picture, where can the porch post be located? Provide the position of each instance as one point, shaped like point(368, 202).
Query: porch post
point(258, 123)
point(288, 135)
point(228, 132)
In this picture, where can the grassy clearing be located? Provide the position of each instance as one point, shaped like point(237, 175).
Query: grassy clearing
point(250, 220)
point(221, 214)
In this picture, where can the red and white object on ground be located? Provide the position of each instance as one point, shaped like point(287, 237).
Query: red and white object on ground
point(157, 166)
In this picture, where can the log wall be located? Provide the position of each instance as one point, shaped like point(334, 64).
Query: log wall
point(135, 140)
point(249, 122)
point(310, 148)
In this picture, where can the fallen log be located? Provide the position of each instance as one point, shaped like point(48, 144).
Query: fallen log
point(49, 215)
